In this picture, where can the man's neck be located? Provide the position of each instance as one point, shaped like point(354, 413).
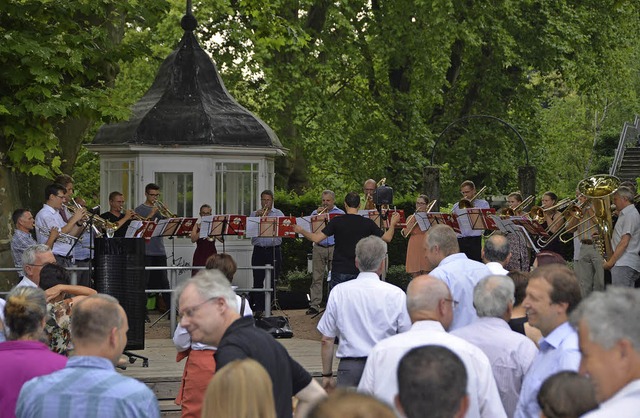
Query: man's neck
point(23, 229)
point(115, 211)
point(148, 203)
point(351, 211)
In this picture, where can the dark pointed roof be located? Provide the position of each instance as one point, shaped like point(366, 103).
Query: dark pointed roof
point(188, 104)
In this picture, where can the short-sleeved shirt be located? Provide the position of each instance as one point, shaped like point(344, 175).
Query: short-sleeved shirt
point(122, 230)
point(628, 223)
point(21, 241)
point(243, 340)
point(155, 246)
point(347, 231)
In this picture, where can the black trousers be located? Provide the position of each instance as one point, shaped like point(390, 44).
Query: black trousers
point(472, 247)
point(262, 256)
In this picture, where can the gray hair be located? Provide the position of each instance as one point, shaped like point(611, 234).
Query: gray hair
point(611, 316)
point(211, 284)
point(625, 193)
point(492, 295)
point(330, 193)
point(94, 317)
point(444, 237)
point(370, 252)
point(24, 311)
point(29, 255)
point(426, 297)
point(496, 248)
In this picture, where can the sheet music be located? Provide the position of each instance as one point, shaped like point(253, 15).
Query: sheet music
point(463, 220)
point(253, 226)
point(205, 226)
point(162, 224)
point(423, 222)
point(305, 223)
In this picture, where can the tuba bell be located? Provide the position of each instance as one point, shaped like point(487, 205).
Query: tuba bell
point(599, 188)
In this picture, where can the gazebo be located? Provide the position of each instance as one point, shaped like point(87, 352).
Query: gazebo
point(193, 139)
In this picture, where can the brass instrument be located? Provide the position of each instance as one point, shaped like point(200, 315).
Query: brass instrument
point(321, 210)
point(98, 222)
point(406, 231)
point(572, 212)
point(505, 212)
point(164, 210)
point(468, 203)
point(537, 212)
point(62, 237)
point(264, 211)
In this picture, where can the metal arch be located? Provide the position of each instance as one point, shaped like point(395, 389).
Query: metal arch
point(526, 150)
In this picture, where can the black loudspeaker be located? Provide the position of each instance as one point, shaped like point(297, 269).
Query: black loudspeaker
point(120, 273)
point(383, 195)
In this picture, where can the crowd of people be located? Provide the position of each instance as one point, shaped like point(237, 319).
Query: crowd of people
point(486, 327)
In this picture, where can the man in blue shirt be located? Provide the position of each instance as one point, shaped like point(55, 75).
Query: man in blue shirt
point(322, 253)
point(553, 293)
point(89, 386)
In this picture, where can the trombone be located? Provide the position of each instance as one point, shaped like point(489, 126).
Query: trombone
point(537, 212)
point(505, 212)
point(468, 203)
point(406, 231)
point(164, 210)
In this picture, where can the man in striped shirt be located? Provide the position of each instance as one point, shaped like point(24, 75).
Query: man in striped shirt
point(89, 386)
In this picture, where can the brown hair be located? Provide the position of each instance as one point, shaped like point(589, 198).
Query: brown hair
point(223, 262)
point(344, 404)
point(520, 280)
point(544, 258)
point(468, 183)
point(25, 309)
point(564, 284)
point(566, 395)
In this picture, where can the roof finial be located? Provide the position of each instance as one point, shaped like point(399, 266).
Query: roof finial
point(188, 22)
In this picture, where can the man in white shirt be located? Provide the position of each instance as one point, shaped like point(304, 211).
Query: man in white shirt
point(553, 293)
point(458, 272)
point(496, 254)
point(33, 259)
point(624, 263)
point(49, 217)
point(360, 312)
point(510, 353)
point(431, 308)
point(609, 331)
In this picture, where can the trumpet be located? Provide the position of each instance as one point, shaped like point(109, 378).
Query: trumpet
point(468, 203)
point(164, 210)
point(412, 222)
point(321, 210)
point(263, 212)
point(62, 237)
point(505, 212)
point(537, 213)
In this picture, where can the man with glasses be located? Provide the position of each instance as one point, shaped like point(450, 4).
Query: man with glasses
point(33, 259)
point(431, 309)
point(155, 254)
point(455, 269)
point(49, 217)
point(209, 312)
point(470, 240)
point(117, 214)
point(368, 188)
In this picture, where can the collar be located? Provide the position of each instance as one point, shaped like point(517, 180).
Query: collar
point(23, 345)
point(368, 275)
point(452, 258)
point(427, 325)
point(242, 322)
point(495, 322)
point(26, 282)
point(627, 209)
point(93, 362)
point(556, 337)
point(49, 209)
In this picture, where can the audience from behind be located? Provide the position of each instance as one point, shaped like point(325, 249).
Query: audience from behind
point(458, 272)
point(519, 322)
point(347, 404)
point(54, 280)
point(509, 353)
point(432, 378)
point(430, 307)
point(496, 254)
point(242, 389)
point(566, 395)
point(544, 258)
point(553, 293)
point(89, 386)
point(209, 312)
point(200, 364)
point(609, 331)
point(360, 312)
point(24, 356)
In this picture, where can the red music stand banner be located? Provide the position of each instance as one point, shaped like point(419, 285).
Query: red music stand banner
point(186, 226)
point(439, 218)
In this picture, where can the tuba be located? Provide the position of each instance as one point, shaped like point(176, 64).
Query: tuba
point(599, 188)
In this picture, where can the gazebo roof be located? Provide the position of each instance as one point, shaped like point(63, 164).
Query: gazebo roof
point(188, 105)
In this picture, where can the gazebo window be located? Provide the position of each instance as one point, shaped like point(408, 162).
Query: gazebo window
point(176, 192)
point(236, 187)
point(120, 176)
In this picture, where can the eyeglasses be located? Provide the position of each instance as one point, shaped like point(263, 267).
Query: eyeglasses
point(61, 196)
point(38, 265)
point(454, 303)
point(189, 312)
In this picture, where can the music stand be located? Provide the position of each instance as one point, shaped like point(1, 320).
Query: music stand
point(439, 218)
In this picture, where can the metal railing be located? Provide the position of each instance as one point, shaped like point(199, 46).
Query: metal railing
point(172, 274)
point(622, 144)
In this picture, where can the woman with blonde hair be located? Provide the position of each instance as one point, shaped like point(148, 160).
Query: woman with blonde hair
point(241, 389)
point(347, 404)
point(416, 263)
